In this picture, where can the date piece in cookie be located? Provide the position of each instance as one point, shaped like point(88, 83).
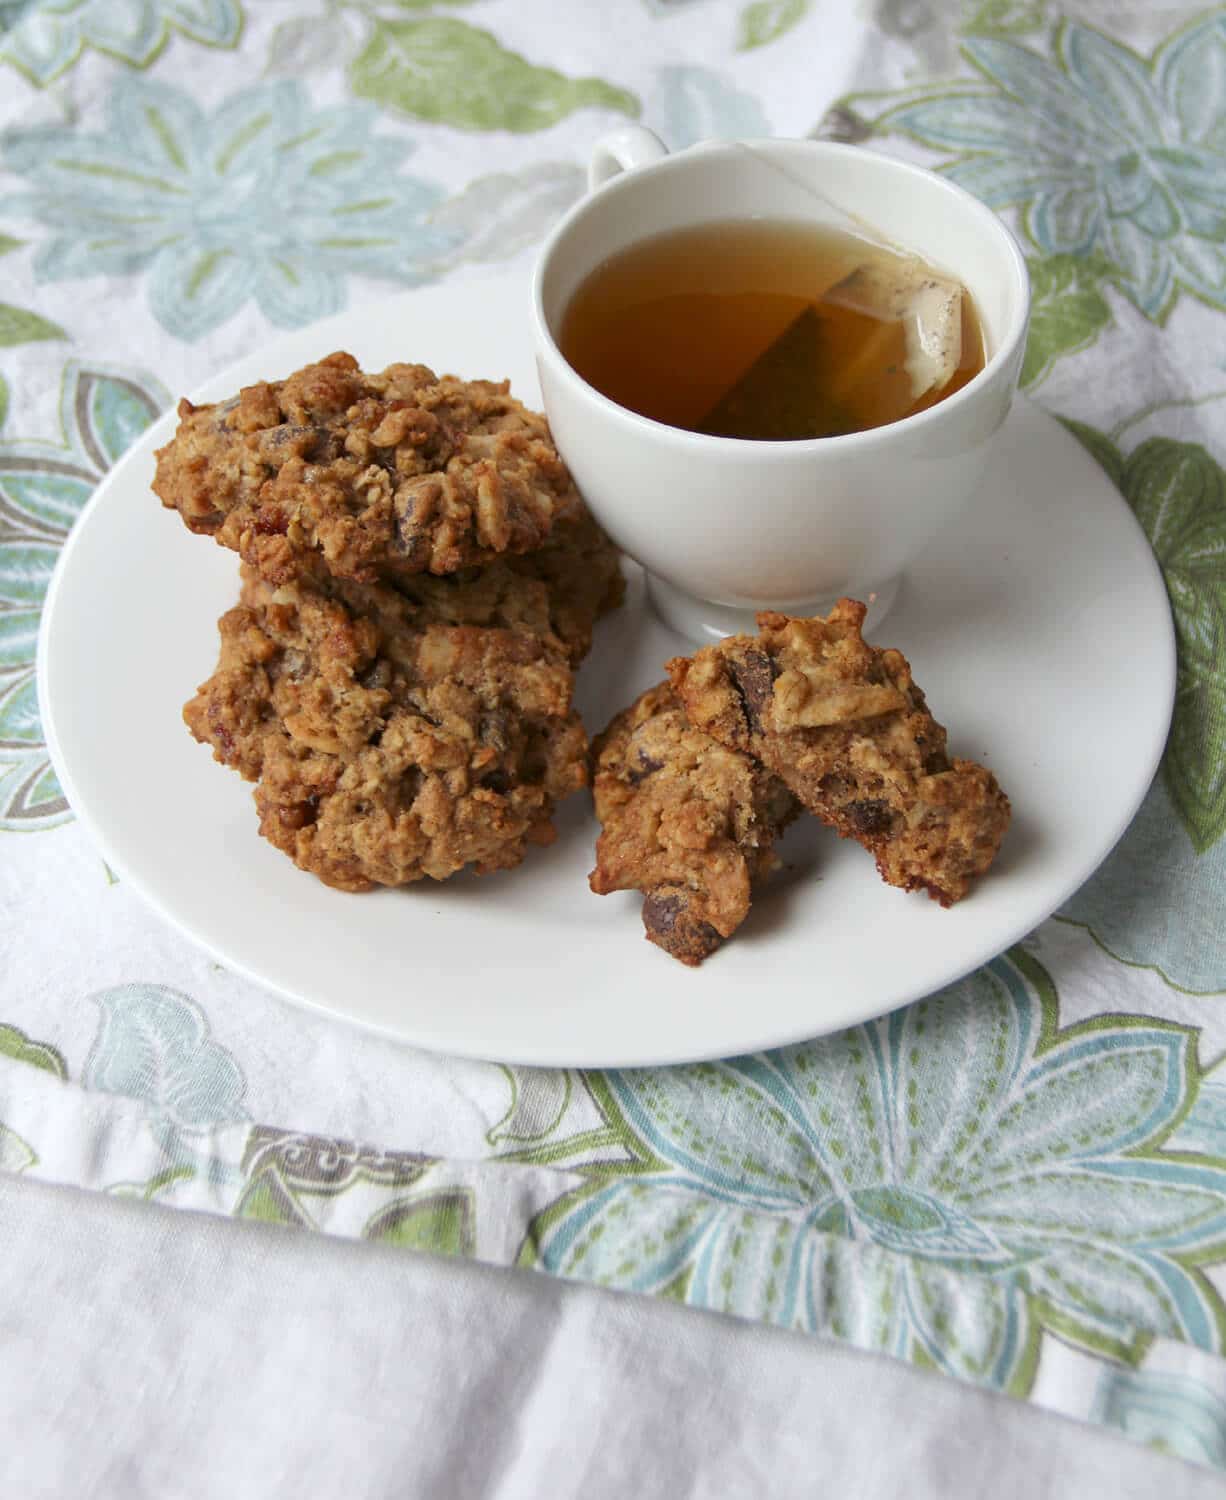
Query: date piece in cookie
point(366, 475)
point(384, 751)
point(846, 728)
point(686, 821)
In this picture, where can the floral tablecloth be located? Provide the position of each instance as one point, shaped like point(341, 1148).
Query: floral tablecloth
point(1020, 1181)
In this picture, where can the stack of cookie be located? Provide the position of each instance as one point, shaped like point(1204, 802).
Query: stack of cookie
point(696, 780)
point(419, 581)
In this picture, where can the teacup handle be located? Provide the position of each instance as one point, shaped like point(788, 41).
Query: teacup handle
point(622, 152)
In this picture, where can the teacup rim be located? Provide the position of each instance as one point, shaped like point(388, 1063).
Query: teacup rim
point(942, 412)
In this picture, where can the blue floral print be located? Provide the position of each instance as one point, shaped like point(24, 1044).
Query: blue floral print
point(266, 199)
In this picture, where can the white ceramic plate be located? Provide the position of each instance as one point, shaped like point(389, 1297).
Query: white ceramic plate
point(1039, 628)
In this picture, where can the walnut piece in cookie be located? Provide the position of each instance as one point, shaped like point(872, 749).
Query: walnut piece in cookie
point(846, 728)
point(384, 751)
point(686, 821)
point(366, 476)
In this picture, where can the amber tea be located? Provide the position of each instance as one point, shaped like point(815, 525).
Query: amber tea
point(771, 329)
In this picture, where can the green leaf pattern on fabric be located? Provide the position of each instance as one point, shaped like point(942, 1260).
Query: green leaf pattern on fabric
point(1067, 311)
point(438, 1222)
point(20, 326)
point(450, 73)
point(1179, 495)
point(15, 1044)
point(160, 1182)
point(1005, 18)
point(15, 1154)
point(539, 1097)
point(765, 21)
point(1178, 492)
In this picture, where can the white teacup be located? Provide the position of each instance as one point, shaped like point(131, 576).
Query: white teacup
point(726, 526)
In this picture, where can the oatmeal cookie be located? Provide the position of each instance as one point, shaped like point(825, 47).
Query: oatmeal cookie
point(846, 728)
point(686, 821)
point(384, 750)
point(581, 569)
point(366, 476)
point(556, 593)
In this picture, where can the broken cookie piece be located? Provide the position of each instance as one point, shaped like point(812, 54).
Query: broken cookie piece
point(366, 476)
point(685, 820)
point(845, 727)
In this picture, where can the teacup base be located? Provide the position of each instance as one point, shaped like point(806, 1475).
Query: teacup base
point(701, 620)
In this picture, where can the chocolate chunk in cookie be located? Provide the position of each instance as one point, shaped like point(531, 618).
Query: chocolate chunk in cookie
point(846, 728)
point(366, 476)
point(687, 821)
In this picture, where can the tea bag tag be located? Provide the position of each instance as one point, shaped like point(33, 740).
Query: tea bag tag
point(934, 336)
point(928, 306)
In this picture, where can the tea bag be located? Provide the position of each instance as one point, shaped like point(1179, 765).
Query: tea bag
point(927, 305)
point(894, 287)
point(781, 394)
